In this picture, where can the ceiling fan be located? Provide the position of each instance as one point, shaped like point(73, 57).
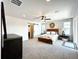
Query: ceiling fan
point(42, 18)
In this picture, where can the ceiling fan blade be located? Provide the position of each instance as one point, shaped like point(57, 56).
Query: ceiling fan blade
point(47, 19)
point(43, 17)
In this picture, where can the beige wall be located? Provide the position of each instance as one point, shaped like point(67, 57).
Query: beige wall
point(17, 26)
point(58, 25)
point(48, 24)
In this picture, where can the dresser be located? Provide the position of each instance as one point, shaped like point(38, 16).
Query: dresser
point(12, 47)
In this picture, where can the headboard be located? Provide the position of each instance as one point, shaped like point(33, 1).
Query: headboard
point(53, 30)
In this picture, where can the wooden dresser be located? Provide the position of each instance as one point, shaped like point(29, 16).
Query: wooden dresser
point(12, 48)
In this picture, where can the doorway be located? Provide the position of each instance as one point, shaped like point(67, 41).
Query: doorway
point(30, 31)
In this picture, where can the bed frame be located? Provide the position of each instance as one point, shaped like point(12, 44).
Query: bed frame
point(45, 40)
point(48, 40)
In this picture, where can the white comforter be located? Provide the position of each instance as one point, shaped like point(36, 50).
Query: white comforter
point(54, 37)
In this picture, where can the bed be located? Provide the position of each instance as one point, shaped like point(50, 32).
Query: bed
point(50, 37)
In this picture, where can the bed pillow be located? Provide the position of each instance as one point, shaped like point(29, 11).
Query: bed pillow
point(48, 32)
point(53, 33)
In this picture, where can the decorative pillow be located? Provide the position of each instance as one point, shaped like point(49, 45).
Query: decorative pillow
point(53, 33)
point(48, 32)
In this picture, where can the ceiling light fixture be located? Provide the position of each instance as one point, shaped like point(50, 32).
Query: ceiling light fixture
point(48, 0)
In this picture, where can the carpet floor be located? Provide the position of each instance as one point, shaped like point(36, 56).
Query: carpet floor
point(33, 49)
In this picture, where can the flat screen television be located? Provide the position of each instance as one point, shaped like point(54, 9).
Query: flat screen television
point(3, 25)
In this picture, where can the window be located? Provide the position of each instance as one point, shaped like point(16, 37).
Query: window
point(67, 26)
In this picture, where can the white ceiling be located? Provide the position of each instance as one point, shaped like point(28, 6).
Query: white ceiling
point(55, 9)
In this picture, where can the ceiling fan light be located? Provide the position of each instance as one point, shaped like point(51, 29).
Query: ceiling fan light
point(48, 0)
